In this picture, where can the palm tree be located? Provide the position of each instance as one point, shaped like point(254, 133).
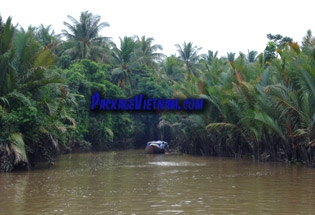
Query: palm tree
point(173, 129)
point(309, 44)
point(32, 115)
point(231, 56)
point(294, 97)
point(210, 57)
point(124, 61)
point(189, 54)
point(83, 36)
point(47, 38)
point(252, 56)
point(172, 68)
point(147, 52)
point(6, 56)
point(12, 147)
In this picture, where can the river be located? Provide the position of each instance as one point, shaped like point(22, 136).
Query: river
point(133, 183)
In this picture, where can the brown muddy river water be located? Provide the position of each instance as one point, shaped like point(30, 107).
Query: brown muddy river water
point(130, 182)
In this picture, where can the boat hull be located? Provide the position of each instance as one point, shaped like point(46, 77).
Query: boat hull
point(154, 150)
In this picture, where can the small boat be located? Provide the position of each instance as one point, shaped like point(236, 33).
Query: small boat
point(156, 147)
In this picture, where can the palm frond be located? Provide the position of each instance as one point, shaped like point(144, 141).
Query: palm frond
point(221, 125)
point(18, 147)
point(20, 97)
point(268, 121)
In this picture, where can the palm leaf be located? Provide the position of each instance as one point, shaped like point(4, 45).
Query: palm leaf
point(268, 121)
point(110, 133)
point(4, 101)
point(18, 147)
point(20, 97)
point(309, 80)
point(44, 58)
point(222, 125)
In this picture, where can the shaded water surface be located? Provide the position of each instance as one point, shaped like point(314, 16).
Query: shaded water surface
point(130, 182)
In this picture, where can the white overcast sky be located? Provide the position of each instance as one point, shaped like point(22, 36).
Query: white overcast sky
point(221, 25)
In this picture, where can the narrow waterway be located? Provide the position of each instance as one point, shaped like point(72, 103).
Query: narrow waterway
point(130, 182)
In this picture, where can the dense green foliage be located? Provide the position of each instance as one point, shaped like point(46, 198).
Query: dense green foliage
point(257, 105)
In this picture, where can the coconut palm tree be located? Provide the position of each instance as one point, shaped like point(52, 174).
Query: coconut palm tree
point(124, 61)
point(189, 54)
point(147, 52)
point(47, 38)
point(171, 70)
point(83, 36)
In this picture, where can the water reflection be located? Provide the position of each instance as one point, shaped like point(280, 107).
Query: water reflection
point(170, 163)
point(131, 182)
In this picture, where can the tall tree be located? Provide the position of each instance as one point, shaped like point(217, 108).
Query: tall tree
point(173, 69)
point(252, 56)
point(6, 56)
point(189, 54)
point(124, 61)
point(32, 100)
point(231, 56)
point(309, 44)
point(210, 57)
point(83, 36)
point(147, 52)
point(47, 38)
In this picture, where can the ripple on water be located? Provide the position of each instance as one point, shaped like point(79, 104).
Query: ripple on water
point(135, 166)
point(170, 163)
point(171, 211)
